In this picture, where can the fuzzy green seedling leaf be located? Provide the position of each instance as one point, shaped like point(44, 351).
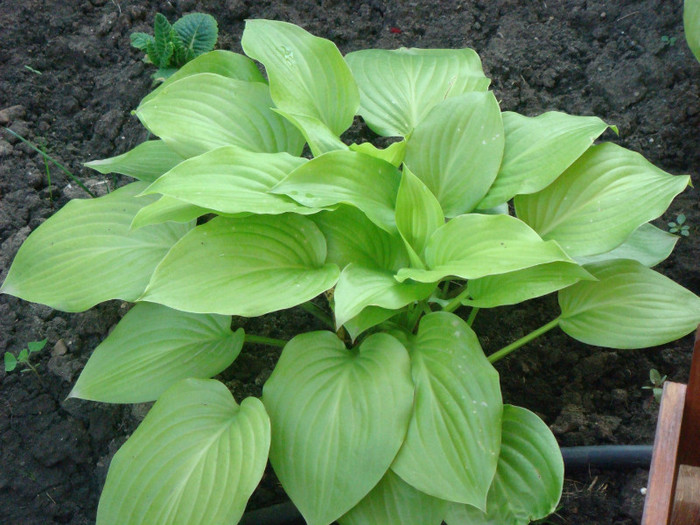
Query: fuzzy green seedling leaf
point(162, 33)
point(141, 40)
point(196, 458)
point(329, 449)
point(36, 346)
point(197, 34)
point(10, 362)
point(152, 348)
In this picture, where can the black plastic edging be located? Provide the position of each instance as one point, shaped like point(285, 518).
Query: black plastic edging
point(611, 457)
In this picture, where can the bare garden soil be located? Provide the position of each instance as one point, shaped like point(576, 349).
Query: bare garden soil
point(68, 81)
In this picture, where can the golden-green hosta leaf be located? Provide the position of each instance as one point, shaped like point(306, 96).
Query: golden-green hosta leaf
point(307, 74)
point(146, 162)
point(600, 200)
point(152, 348)
point(195, 460)
point(232, 180)
point(393, 501)
point(529, 477)
point(456, 150)
point(338, 417)
point(629, 306)
point(538, 150)
point(452, 444)
point(249, 266)
point(476, 245)
point(86, 253)
point(202, 112)
point(398, 88)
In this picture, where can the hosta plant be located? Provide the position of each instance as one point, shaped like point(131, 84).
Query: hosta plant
point(393, 414)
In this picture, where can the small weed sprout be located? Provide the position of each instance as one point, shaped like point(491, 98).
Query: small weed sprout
point(668, 40)
point(679, 226)
point(657, 384)
point(23, 358)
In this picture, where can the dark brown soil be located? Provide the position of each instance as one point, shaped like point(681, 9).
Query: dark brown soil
point(580, 56)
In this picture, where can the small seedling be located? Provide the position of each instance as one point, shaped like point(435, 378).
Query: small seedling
point(679, 226)
point(657, 384)
point(668, 40)
point(35, 71)
point(172, 46)
point(23, 358)
point(48, 158)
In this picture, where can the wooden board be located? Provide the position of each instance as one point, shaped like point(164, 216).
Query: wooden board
point(686, 505)
point(689, 450)
point(662, 475)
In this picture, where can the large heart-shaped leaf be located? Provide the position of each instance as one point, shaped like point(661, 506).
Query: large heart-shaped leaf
point(346, 177)
point(360, 286)
point(456, 150)
point(195, 459)
point(202, 112)
point(475, 245)
point(648, 244)
point(219, 62)
point(232, 180)
point(307, 74)
point(394, 501)
point(152, 348)
point(600, 200)
point(86, 253)
point(629, 306)
point(146, 162)
point(538, 150)
point(529, 477)
point(452, 444)
point(249, 266)
point(398, 88)
point(338, 416)
point(522, 285)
